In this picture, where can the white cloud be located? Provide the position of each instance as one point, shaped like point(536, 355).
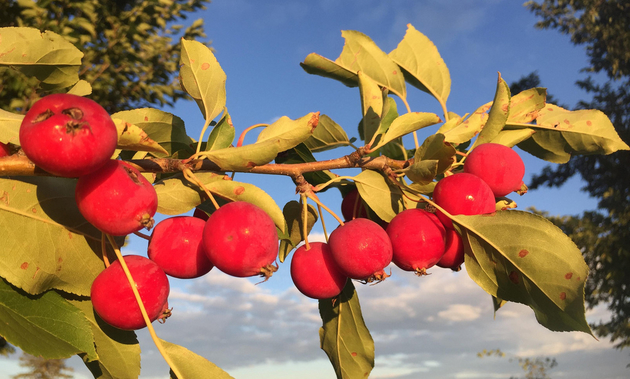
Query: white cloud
point(460, 312)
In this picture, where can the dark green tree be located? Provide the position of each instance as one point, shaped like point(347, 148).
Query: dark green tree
point(132, 47)
point(42, 368)
point(603, 26)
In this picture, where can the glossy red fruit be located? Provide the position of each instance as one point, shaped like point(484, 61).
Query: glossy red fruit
point(68, 135)
point(240, 239)
point(315, 273)
point(175, 246)
point(353, 205)
point(463, 194)
point(116, 199)
point(417, 239)
point(499, 166)
point(361, 249)
point(453, 257)
point(113, 298)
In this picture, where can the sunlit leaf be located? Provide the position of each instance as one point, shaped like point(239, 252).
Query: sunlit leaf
point(384, 199)
point(282, 135)
point(525, 105)
point(469, 127)
point(131, 137)
point(327, 135)
point(222, 135)
point(81, 88)
point(522, 257)
point(408, 123)
point(49, 57)
point(10, 127)
point(344, 336)
point(162, 127)
point(191, 365)
point(65, 254)
point(498, 115)
point(512, 137)
point(422, 64)
point(44, 325)
point(202, 78)
point(371, 105)
point(432, 158)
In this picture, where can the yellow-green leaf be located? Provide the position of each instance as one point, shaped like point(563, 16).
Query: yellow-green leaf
point(131, 137)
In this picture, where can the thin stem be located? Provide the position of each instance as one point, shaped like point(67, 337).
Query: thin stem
point(142, 235)
point(316, 200)
point(241, 138)
point(145, 316)
point(203, 131)
point(303, 200)
point(191, 177)
point(321, 217)
point(104, 249)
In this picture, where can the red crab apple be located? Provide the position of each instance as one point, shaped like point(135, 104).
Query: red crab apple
point(68, 135)
point(453, 256)
point(113, 298)
point(362, 249)
point(116, 199)
point(499, 166)
point(240, 239)
point(353, 205)
point(463, 194)
point(315, 273)
point(175, 246)
point(417, 239)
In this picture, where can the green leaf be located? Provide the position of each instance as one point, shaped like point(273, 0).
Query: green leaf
point(176, 195)
point(422, 64)
point(561, 133)
point(525, 105)
point(282, 135)
point(432, 158)
point(222, 135)
point(344, 336)
point(513, 137)
point(408, 123)
point(118, 350)
point(498, 115)
point(191, 365)
point(327, 135)
point(469, 127)
point(81, 88)
point(65, 254)
point(202, 78)
point(44, 325)
point(359, 53)
point(371, 105)
point(384, 199)
point(301, 154)
point(10, 127)
point(49, 57)
point(522, 257)
point(131, 137)
point(293, 215)
point(162, 127)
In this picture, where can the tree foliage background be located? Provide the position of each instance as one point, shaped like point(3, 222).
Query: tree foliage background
point(603, 27)
point(132, 47)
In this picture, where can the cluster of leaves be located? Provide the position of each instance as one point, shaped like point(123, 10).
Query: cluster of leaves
point(604, 28)
point(125, 50)
point(513, 255)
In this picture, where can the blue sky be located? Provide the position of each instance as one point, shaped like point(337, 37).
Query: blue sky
point(430, 327)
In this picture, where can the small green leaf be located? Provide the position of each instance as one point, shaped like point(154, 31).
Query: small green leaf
point(293, 215)
point(468, 127)
point(49, 57)
point(176, 195)
point(512, 137)
point(44, 325)
point(191, 365)
point(81, 88)
point(408, 123)
point(282, 135)
point(202, 78)
point(372, 106)
point(10, 127)
point(118, 350)
point(498, 115)
point(525, 105)
point(522, 257)
point(131, 137)
point(66, 253)
point(315, 64)
point(432, 158)
point(422, 64)
point(344, 336)
point(162, 127)
point(222, 135)
point(327, 135)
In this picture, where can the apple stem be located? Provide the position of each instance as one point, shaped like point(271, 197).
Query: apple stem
point(142, 235)
point(321, 217)
point(303, 200)
point(313, 197)
point(145, 316)
point(191, 177)
point(104, 249)
point(241, 138)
